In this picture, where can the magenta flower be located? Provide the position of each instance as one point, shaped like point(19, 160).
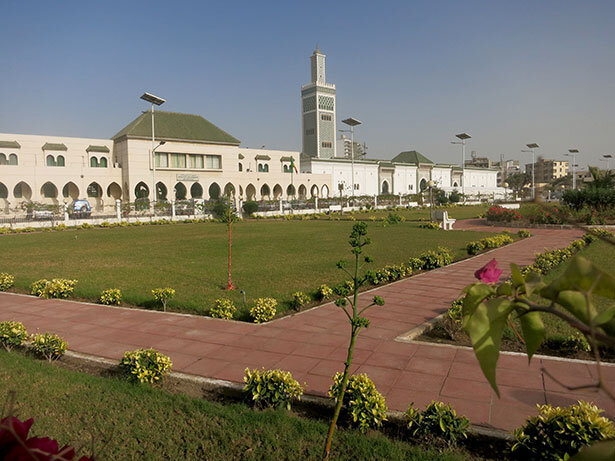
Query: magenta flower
point(489, 273)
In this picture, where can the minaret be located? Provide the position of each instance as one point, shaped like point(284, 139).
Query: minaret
point(318, 111)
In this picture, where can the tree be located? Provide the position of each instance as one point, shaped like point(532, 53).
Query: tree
point(517, 181)
point(601, 179)
point(225, 212)
point(358, 239)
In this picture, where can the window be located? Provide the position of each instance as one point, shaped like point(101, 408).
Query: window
point(51, 161)
point(196, 161)
point(162, 160)
point(240, 167)
point(93, 162)
point(266, 168)
point(213, 162)
point(326, 117)
point(103, 162)
point(410, 187)
point(18, 191)
point(178, 160)
point(3, 160)
point(285, 168)
point(260, 168)
point(60, 160)
point(327, 144)
point(309, 131)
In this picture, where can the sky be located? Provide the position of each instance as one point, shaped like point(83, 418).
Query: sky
point(414, 72)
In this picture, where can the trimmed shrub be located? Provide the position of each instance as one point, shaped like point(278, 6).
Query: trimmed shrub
point(524, 234)
point(432, 259)
point(500, 214)
point(430, 225)
point(324, 292)
point(145, 365)
point(250, 208)
point(437, 420)
point(489, 242)
point(223, 308)
point(394, 218)
point(475, 247)
point(455, 311)
point(48, 346)
point(415, 264)
point(568, 344)
point(366, 406)
point(163, 296)
point(560, 432)
point(55, 288)
point(264, 309)
point(300, 299)
point(6, 281)
point(12, 334)
point(112, 296)
point(271, 388)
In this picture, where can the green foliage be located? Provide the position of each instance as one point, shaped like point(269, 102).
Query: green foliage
point(550, 259)
point(430, 225)
point(523, 233)
point(365, 405)
point(324, 292)
point(12, 334)
point(455, 312)
point(558, 433)
point(55, 288)
point(163, 296)
point(6, 281)
point(438, 420)
point(432, 259)
point(111, 297)
point(500, 214)
point(250, 208)
point(223, 308)
point(48, 346)
point(568, 344)
point(264, 309)
point(271, 388)
point(145, 365)
point(299, 300)
point(489, 242)
point(394, 218)
point(595, 198)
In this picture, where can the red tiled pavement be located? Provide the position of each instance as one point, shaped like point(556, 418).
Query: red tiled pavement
point(312, 344)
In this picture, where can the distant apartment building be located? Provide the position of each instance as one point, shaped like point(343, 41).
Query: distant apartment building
point(478, 162)
point(546, 170)
point(505, 169)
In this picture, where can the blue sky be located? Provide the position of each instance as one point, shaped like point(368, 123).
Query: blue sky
point(414, 72)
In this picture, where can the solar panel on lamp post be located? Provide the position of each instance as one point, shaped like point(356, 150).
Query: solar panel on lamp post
point(573, 153)
point(463, 137)
point(607, 158)
point(352, 122)
point(155, 101)
point(532, 149)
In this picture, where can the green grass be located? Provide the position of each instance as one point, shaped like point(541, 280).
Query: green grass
point(417, 214)
point(270, 258)
point(144, 423)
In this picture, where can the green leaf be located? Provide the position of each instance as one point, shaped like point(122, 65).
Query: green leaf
point(505, 289)
point(581, 275)
point(516, 276)
point(599, 451)
point(485, 327)
point(475, 294)
point(575, 303)
point(533, 332)
point(604, 317)
point(533, 282)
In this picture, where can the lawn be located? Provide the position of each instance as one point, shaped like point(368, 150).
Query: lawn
point(417, 214)
point(138, 422)
point(270, 258)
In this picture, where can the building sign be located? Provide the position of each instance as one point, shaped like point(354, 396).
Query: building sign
point(187, 177)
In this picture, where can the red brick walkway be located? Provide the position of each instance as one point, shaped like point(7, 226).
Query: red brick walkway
point(312, 345)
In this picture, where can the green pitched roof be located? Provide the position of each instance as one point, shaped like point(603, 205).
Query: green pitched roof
point(91, 148)
point(411, 156)
point(262, 157)
point(175, 126)
point(54, 146)
point(10, 144)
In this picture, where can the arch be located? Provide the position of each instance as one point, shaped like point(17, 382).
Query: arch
point(251, 192)
point(229, 190)
point(423, 184)
point(265, 192)
point(103, 162)
point(4, 192)
point(277, 192)
point(240, 191)
point(324, 191)
point(214, 191)
point(286, 170)
point(180, 191)
point(266, 168)
point(385, 188)
point(22, 190)
point(455, 184)
point(70, 190)
point(48, 190)
point(60, 160)
point(114, 191)
point(94, 190)
point(141, 190)
point(302, 191)
point(3, 160)
point(314, 191)
point(290, 191)
point(13, 159)
point(161, 191)
point(196, 190)
point(93, 162)
point(50, 161)
point(260, 167)
point(240, 167)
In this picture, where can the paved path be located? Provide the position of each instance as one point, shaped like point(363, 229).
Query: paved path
point(312, 345)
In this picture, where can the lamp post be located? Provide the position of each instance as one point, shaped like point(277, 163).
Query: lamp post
point(431, 185)
point(505, 191)
point(155, 101)
point(607, 158)
point(463, 137)
point(352, 122)
point(573, 153)
point(532, 149)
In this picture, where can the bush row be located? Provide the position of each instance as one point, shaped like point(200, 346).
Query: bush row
point(45, 345)
point(500, 214)
point(488, 242)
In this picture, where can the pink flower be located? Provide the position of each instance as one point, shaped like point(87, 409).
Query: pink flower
point(489, 273)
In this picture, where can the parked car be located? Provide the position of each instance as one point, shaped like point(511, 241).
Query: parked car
point(79, 209)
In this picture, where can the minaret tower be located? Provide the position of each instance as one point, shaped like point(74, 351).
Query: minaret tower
point(318, 111)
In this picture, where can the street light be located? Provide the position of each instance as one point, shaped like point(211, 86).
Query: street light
point(463, 137)
point(532, 149)
point(607, 158)
point(352, 122)
point(573, 153)
point(155, 101)
point(505, 191)
point(430, 185)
